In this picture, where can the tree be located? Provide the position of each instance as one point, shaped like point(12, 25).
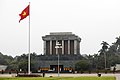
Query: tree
point(104, 45)
point(82, 65)
point(103, 53)
point(118, 43)
point(23, 65)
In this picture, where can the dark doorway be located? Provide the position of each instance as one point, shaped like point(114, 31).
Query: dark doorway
point(55, 68)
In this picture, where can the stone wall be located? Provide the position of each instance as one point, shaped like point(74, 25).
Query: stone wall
point(44, 61)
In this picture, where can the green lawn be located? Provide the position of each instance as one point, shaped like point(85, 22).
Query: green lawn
point(60, 78)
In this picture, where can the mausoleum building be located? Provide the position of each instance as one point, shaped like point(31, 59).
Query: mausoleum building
point(64, 44)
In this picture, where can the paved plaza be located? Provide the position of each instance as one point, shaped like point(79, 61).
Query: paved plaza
point(78, 75)
point(117, 75)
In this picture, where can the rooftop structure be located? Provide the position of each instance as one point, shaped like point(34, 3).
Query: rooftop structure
point(70, 43)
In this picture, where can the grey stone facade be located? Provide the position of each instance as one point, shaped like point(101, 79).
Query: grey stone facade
point(67, 61)
point(70, 43)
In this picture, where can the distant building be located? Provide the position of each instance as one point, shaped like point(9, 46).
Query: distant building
point(3, 67)
point(117, 66)
point(69, 52)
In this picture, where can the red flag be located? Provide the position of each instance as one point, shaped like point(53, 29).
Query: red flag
point(24, 13)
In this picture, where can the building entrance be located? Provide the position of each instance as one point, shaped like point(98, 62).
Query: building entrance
point(55, 68)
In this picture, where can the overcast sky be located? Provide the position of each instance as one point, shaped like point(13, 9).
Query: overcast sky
point(92, 20)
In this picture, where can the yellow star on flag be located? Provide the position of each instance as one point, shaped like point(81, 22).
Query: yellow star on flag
point(24, 14)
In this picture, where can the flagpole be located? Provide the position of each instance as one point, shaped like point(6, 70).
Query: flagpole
point(29, 43)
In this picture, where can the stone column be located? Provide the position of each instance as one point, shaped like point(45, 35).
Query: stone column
point(68, 46)
point(50, 47)
point(56, 48)
point(78, 47)
point(44, 48)
point(62, 46)
point(75, 46)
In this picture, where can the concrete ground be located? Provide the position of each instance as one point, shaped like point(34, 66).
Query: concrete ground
point(117, 75)
point(78, 75)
